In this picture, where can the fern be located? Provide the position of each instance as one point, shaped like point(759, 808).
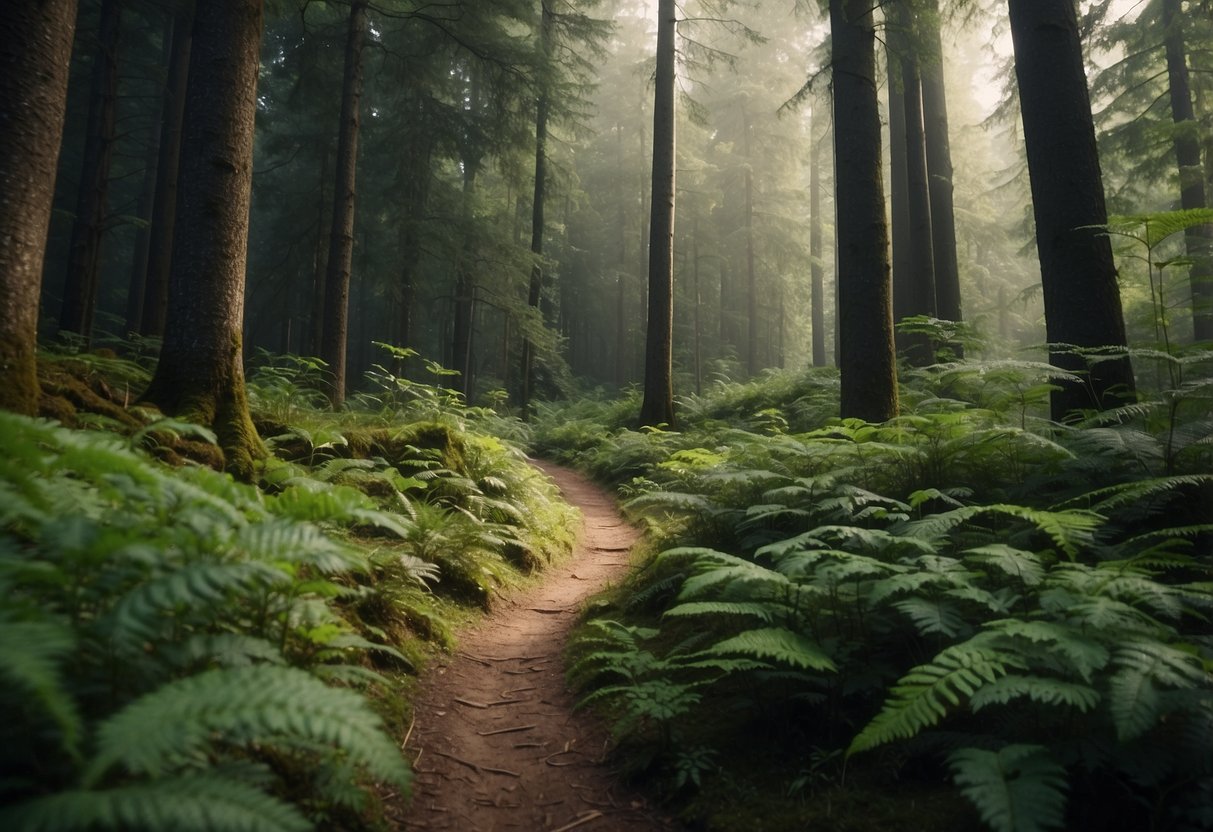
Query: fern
point(1133, 690)
point(189, 803)
point(1037, 689)
point(31, 653)
point(164, 729)
point(1019, 788)
point(775, 643)
point(924, 695)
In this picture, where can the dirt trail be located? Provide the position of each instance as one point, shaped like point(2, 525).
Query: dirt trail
point(496, 743)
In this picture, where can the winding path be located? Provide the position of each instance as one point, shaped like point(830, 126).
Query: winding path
point(496, 744)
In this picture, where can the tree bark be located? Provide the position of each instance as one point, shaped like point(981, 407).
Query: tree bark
point(200, 375)
point(164, 212)
point(334, 333)
point(751, 274)
point(866, 360)
point(816, 272)
point(137, 285)
point(35, 51)
point(922, 269)
point(899, 188)
point(657, 407)
point(535, 289)
point(1081, 298)
point(1199, 238)
point(84, 256)
point(939, 170)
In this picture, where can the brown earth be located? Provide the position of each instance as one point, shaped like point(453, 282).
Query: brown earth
point(496, 744)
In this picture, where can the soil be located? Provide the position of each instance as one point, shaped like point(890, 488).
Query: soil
point(496, 744)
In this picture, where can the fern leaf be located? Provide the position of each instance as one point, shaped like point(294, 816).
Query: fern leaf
point(1078, 650)
point(923, 696)
point(197, 803)
point(932, 617)
point(1142, 667)
point(242, 705)
point(776, 643)
point(1015, 562)
point(30, 654)
point(1037, 688)
point(1019, 788)
point(765, 612)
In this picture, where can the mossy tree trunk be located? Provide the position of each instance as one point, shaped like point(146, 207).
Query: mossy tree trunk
point(35, 51)
point(200, 375)
point(657, 407)
point(1081, 298)
point(865, 315)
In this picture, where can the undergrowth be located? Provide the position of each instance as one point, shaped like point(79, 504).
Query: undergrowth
point(182, 651)
point(967, 593)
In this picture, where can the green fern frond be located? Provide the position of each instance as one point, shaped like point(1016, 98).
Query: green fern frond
point(1107, 500)
point(766, 612)
point(931, 617)
point(156, 732)
point(197, 586)
point(1018, 563)
point(1071, 530)
point(1019, 788)
point(923, 696)
point(195, 803)
point(30, 656)
point(1142, 667)
point(775, 643)
point(1079, 650)
point(1040, 689)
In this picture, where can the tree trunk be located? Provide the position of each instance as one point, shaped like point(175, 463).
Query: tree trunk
point(698, 317)
point(939, 170)
point(1199, 238)
point(465, 294)
point(751, 274)
point(913, 259)
point(84, 256)
point(899, 188)
point(35, 51)
point(867, 361)
point(164, 212)
point(621, 323)
point(535, 289)
point(200, 375)
point(922, 270)
point(658, 405)
point(147, 196)
point(816, 272)
point(334, 333)
point(1081, 298)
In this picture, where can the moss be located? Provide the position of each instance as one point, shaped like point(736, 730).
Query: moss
point(69, 389)
point(18, 375)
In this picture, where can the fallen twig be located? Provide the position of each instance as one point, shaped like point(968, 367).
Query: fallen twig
point(512, 730)
point(471, 704)
point(594, 815)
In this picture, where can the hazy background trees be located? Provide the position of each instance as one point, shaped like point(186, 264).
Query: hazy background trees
point(493, 213)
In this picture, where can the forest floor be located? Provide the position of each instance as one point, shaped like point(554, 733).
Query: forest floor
point(496, 744)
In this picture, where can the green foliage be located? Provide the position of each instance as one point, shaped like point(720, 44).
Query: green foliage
point(1018, 788)
point(965, 576)
point(165, 638)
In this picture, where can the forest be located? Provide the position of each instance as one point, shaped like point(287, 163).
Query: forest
point(332, 330)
